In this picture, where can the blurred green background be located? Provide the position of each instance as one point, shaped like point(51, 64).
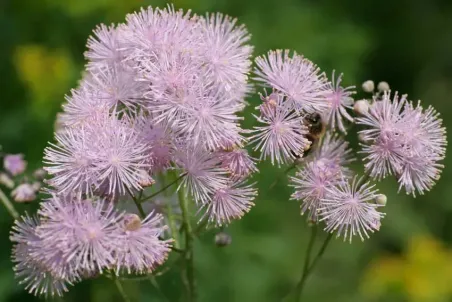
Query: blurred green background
point(406, 42)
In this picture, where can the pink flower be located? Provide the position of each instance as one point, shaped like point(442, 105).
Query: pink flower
point(282, 136)
point(340, 100)
point(14, 164)
point(296, 77)
point(230, 202)
point(348, 209)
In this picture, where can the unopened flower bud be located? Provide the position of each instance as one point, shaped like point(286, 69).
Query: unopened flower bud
point(381, 199)
point(6, 181)
point(269, 104)
point(311, 222)
point(383, 86)
point(368, 86)
point(132, 222)
point(361, 107)
point(36, 186)
point(39, 174)
point(24, 193)
point(146, 180)
point(223, 239)
point(14, 164)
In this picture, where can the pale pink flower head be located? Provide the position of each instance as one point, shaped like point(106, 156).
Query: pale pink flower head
point(226, 54)
point(119, 155)
point(84, 232)
point(153, 30)
point(115, 87)
point(295, 76)
point(24, 193)
point(334, 154)
point(423, 146)
point(35, 274)
point(212, 120)
point(282, 135)
point(325, 169)
point(348, 209)
point(70, 162)
point(140, 249)
point(81, 108)
point(383, 118)
point(310, 184)
point(404, 140)
point(230, 202)
point(175, 86)
point(160, 139)
point(237, 162)
point(106, 153)
point(385, 122)
point(340, 99)
point(14, 164)
point(104, 47)
point(203, 173)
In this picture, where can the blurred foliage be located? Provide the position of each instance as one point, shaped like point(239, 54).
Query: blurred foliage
point(422, 273)
point(406, 42)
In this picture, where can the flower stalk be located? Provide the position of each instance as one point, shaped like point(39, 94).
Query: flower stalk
point(8, 205)
point(121, 290)
point(188, 271)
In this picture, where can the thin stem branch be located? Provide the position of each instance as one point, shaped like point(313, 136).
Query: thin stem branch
point(201, 226)
point(171, 219)
point(307, 260)
point(137, 203)
point(188, 254)
point(163, 189)
point(177, 250)
point(320, 253)
point(154, 283)
point(121, 290)
point(8, 205)
point(290, 168)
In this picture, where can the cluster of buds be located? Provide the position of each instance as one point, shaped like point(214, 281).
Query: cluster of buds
point(24, 188)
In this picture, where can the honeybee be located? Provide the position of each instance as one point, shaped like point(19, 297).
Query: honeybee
point(316, 129)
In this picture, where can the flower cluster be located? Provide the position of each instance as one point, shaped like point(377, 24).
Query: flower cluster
point(399, 138)
point(299, 90)
point(162, 92)
point(403, 139)
point(73, 238)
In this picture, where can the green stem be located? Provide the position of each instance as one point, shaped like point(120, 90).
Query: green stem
point(157, 287)
point(307, 260)
point(177, 250)
point(171, 219)
point(320, 253)
point(163, 189)
point(201, 226)
point(189, 277)
point(8, 205)
point(137, 203)
point(121, 290)
point(308, 268)
point(290, 168)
